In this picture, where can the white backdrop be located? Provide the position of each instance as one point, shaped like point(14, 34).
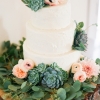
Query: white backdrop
point(14, 14)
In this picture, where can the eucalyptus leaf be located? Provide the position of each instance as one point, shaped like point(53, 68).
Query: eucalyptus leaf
point(87, 89)
point(71, 96)
point(61, 93)
point(38, 95)
point(3, 69)
point(86, 85)
point(6, 84)
point(18, 81)
point(26, 88)
point(72, 90)
point(12, 87)
point(98, 61)
point(23, 84)
point(47, 96)
point(77, 85)
point(78, 94)
point(35, 88)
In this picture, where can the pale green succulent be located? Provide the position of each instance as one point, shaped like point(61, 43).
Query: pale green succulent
point(33, 76)
point(34, 4)
point(52, 78)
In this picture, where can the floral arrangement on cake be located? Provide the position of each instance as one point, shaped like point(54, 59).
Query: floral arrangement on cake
point(21, 79)
point(38, 4)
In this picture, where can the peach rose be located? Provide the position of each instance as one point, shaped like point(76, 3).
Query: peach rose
point(27, 64)
point(90, 68)
point(53, 2)
point(18, 72)
point(76, 67)
point(80, 75)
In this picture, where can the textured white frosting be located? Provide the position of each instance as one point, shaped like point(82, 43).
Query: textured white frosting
point(63, 60)
point(52, 17)
point(50, 42)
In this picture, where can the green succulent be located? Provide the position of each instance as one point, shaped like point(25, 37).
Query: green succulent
point(34, 4)
point(80, 38)
point(55, 66)
point(64, 75)
point(52, 78)
point(33, 76)
point(41, 68)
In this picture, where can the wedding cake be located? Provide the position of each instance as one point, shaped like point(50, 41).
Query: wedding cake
point(50, 35)
point(52, 67)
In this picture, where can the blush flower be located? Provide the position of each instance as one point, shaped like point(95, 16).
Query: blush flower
point(20, 61)
point(76, 67)
point(27, 65)
point(80, 76)
point(90, 68)
point(53, 2)
point(18, 72)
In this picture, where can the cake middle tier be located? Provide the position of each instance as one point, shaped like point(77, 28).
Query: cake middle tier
point(49, 42)
point(63, 60)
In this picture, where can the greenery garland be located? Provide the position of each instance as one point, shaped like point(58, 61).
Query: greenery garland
point(43, 82)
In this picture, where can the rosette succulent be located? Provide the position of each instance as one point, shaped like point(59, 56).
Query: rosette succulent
point(80, 39)
point(34, 4)
point(52, 78)
point(33, 76)
point(41, 68)
point(64, 75)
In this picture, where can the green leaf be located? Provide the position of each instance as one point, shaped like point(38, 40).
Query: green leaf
point(86, 85)
point(18, 81)
point(16, 53)
point(6, 44)
point(71, 96)
point(38, 95)
point(47, 96)
point(2, 73)
point(35, 88)
point(6, 84)
point(87, 89)
point(72, 90)
point(61, 93)
point(1, 81)
point(27, 98)
point(3, 69)
point(80, 24)
point(70, 80)
point(1, 59)
point(98, 61)
point(78, 94)
point(26, 88)
point(67, 87)
point(77, 85)
point(12, 87)
point(23, 84)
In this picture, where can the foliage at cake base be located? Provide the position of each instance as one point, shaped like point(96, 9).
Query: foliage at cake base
point(21, 79)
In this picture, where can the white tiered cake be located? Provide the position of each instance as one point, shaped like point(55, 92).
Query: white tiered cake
point(50, 35)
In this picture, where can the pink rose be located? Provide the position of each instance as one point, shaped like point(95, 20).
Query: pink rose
point(80, 75)
point(90, 68)
point(27, 64)
point(18, 72)
point(53, 2)
point(76, 67)
point(20, 61)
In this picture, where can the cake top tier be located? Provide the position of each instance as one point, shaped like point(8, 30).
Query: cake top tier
point(55, 17)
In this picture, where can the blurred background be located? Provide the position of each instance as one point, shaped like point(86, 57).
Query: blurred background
point(14, 14)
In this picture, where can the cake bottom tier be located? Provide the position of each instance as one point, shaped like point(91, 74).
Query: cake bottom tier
point(63, 60)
